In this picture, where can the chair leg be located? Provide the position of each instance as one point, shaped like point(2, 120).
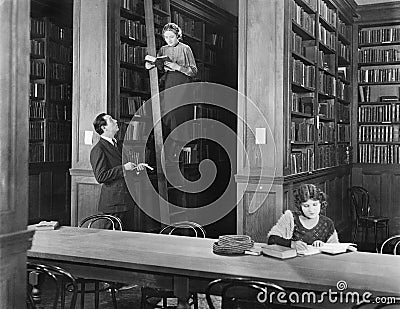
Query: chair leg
point(82, 294)
point(114, 298)
point(96, 295)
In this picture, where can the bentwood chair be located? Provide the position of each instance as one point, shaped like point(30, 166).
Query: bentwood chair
point(51, 281)
point(245, 294)
point(391, 245)
point(152, 295)
point(362, 218)
point(99, 221)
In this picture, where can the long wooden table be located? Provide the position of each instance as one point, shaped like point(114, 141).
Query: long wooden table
point(121, 256)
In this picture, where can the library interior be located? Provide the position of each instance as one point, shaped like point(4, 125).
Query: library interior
point(256, 126)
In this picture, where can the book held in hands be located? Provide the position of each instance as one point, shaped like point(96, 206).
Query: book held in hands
point(157, 61)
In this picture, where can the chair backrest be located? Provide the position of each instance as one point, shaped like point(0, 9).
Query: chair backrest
point(52, 277)
point(359, 199)
point(115, 222)
point(243, 293)
point(184, 228)
point(391, 245)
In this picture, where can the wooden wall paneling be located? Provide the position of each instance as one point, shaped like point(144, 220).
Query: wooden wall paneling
point(15, 239)
point(393, 206)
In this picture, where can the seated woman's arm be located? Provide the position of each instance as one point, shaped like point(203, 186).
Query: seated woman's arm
point(282, 232)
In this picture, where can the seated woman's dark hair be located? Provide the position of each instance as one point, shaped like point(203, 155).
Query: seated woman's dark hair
point(309, 192)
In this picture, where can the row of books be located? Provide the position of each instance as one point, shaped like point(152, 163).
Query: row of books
point(298, 46)
point(380, 154)
point(210, 56)
point(343, 112)
point(301, 17)
point(303, 103)
point(132, 131)
point(215, 39)
point(54, 153)
point(302, 130)
point(55, 131)
point(134, 80)
point(326, 109)
point(36, 152)
point(301, 160)
point(133, 5)
point(311, 3)
point(379, 113)
point(327, 38)
point(57, 52)
point(37, 27)
point(327, 84)
point(60, 92)
point(189, 25)
point(326, 156)
point(379, 75)
point(130, 106)
point(379, 35)
point(159, 20)
point(37, 68)
point(343, 91)
point(364, 93)
point(379, 54)
point(37, 48)
point(344, 29)
point(303, 74)
point(133, 29)
point(344, 51)
point(344, 154)
point(132, 54)
point(60, 33)
point(326, 132)
point(378, 133)
point(37, 90)
point(327, 13)
point(54, 111)
point(57, 71)
point(343, 132)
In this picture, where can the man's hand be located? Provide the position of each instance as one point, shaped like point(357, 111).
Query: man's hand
point(172, 66)
point(149, 66)
point(129, 166)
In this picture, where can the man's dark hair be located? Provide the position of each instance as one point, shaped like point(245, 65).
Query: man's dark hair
point(98, 122)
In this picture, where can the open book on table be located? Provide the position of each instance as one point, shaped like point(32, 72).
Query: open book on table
point(330, 248)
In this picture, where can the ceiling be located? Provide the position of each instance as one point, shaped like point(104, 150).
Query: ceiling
point(362, 2)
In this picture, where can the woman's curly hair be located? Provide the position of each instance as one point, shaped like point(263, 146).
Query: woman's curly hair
point(309, 191)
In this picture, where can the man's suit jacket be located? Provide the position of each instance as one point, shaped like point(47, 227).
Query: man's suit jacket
point(106, 161)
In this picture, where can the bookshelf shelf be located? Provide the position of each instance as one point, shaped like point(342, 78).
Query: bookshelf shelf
point(326, 91)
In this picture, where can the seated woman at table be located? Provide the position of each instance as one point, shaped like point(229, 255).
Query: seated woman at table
point(305, 226)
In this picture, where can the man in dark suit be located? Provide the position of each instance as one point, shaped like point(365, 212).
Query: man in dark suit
point(106, 161)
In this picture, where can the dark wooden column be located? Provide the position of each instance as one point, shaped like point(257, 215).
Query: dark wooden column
point(14, 89)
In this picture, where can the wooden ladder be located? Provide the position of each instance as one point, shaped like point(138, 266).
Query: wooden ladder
point(156, 113)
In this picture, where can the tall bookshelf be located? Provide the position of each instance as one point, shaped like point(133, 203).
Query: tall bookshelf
point(378, 94)
point(50, 109)
point(376, 115)
point(208, 31)
point(320, 87)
